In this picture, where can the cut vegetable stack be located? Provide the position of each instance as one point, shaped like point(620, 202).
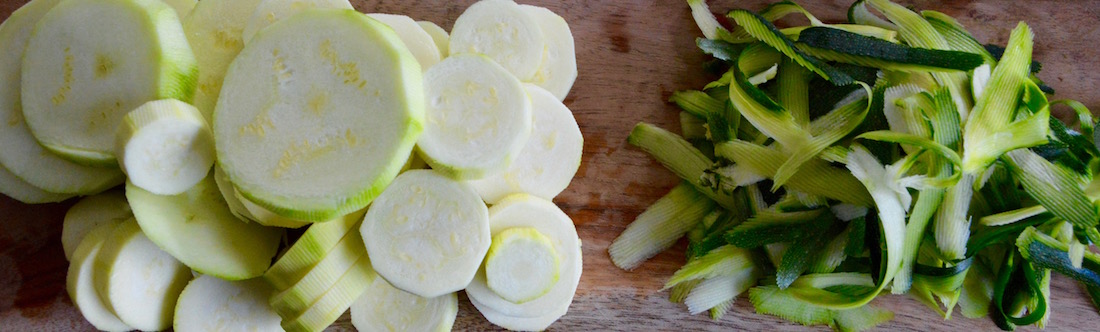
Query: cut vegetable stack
point(231, 122)
point(892, 151)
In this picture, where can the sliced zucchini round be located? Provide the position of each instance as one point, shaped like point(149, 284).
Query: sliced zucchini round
point(212, 304)
point(526, 211)
point(21, 154)
point(503, 31)
point(521, 265)
point(478, 117)
point(265, 217)
point(558, 70)
point(318, 114)
point(271, 11)
point(329, 307)
point(197, 228)
point(232, 199)
point(321, 277)
point(441, 38)
point(419, 42)
point(14, 187)
point(312, 247)
point(214, 29)
point(78, 281)
point(427, 234)
point(540, 323)
point(138, 281)
point(89, 62)
point(165, 147)
point(550, 159)
point(385, 308)
point(89, 213)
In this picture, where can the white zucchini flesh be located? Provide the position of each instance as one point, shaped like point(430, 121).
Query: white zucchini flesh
point(89, 62)
point(440, 36)
point(321, 277)
point(14, 187)
point(419, 42)
point(558, 70)
point(311, 248)
point(264, 216)
point(232, 199)
point(78, 281)
point(21, 155)
point(550, 159)
point(165, 147)
point(427, 234)
point(318, 113)
point(521, 265)
point(138, 281)
point(89, 213)
point(182, 7)
point(503, 31)
point(529, 211)
point(214, 29)
point(210, 304)
point(197, 228)
point(384, 308)
point(478, 117)
point(539, 323)
point(336, 301)
point(271, 11)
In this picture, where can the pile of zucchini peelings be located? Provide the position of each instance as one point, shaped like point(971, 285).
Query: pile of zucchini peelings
point(832, 163)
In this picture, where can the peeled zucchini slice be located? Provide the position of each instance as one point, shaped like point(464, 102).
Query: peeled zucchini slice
point(197, 228)
point(550, 159)
point(427, 234)
point(385, 308)
point(318, 113)
point(214, 29)
point(211, 304)
point(478, 117)
point(336, 301)
point(525, 211)
point(165, 147)
point(265, 217)
point(89, 62)
point(321, 277)
point(310, 249)
point(558, 70)
point(522, 264)
point(78, 281)
point(38, 171)
point(136, 280)
point(503, 31)
point(89, 213)
point(271, 11)
point(441, 37)
point(419, 42)
point(232, 199)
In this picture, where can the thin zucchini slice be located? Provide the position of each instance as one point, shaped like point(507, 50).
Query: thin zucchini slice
point(441, 37)
point(336, 301)
point(89, 62)
point(385, 308)
point(138, 281)
point(427, 234)
point(271, 11)
point(78, 281)
point(265, 217)
point(419, 42)
point(550, 158)
point(503, 31)
point(197, 228)
point(478, 117)
point(14, 187)
point(513, 323)
point(214, 30)
point(321, 277)
point(165, 147)
point(89, 213)
point(525, 211)
point(558, 70)
point(209, 303)
point(21, 155)
point(311, 248)
point(232, 199)
point(521, 265)
point(318, 113)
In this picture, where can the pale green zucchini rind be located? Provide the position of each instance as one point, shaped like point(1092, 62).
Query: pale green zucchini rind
point(318, 240)
point(659, 226)
point(763, 30)
point(137, 280)
point(814, 177)
point(722, 261)
point(679, 156)
point(209, 303)
point(843, 46)
point(214, 29)
point(770, 300)
point(80, 78)
point(1044, 251)
point(1056, 188)
point(89, 213)
point(957, 37)
point(78, 280)
point(330, 306)
point(197, 228)
point(794, 91)
point(714, 293)
point(859, 14)
point(261, 144)
point(321, 277)
point(26, 160)
point(697, 103)
point(755, 59)
point(705, 19)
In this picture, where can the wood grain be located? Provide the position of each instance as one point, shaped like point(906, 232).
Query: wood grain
point(632, 54)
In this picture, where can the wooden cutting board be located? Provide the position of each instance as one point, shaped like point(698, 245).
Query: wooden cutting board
point(632, 55)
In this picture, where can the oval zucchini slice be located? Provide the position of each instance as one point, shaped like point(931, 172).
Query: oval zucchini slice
point(214, 29)
point(419, 42)
point(503, 31)
point(558, 70)
point(89, 213)
point(384, 308)
point(138, 281)
point(318, 114)
point(271, 11)
point(78, 281)
point(212, 304)
point(441, 38)
point(89, 62)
